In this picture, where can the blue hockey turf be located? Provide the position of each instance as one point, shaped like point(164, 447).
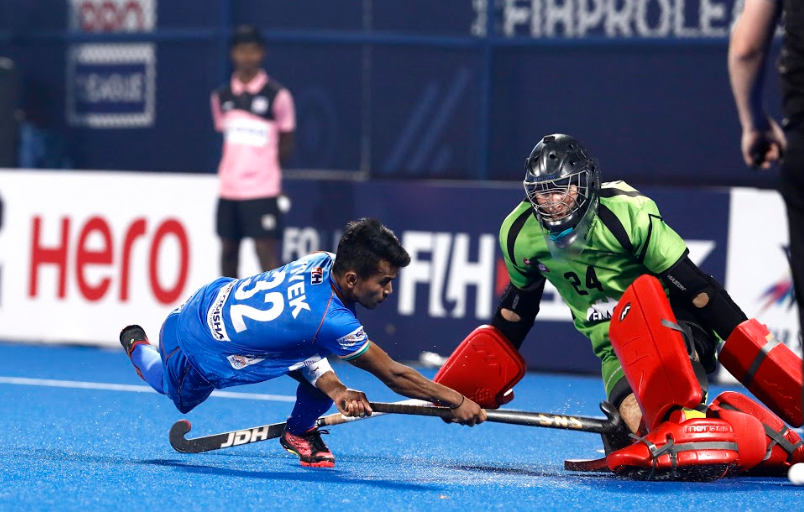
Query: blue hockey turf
point(71, 442)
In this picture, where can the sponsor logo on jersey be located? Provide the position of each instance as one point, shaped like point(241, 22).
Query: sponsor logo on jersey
point(625, 311)
point(215, 317)
point(601, 310)
point(353, 338)
point(259, 105)
point(239, 362)
point(247, 132)
point(317, 275)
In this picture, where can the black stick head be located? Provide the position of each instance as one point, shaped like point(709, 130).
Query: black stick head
point(617, 435)
point(177, 433)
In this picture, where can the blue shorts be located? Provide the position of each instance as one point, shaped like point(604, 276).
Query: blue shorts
point(182, 382)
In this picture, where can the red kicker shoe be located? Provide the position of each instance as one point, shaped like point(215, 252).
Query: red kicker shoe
point(309, 447)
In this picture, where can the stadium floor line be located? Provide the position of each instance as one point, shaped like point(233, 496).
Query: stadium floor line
point(134, 388)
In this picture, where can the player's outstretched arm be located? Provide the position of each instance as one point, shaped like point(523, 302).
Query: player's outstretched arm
point(408, 382)
point(350, 402)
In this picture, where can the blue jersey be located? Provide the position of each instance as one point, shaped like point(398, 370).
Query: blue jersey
point(254, 329)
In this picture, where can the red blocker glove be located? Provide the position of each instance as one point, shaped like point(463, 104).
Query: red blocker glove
point(485, 367)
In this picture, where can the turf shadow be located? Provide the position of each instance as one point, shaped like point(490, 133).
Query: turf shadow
point(313, 474)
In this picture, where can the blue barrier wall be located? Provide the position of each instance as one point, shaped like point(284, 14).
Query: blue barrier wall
point(408, 89)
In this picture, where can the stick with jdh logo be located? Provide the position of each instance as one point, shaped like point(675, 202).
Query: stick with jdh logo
point(608, 426)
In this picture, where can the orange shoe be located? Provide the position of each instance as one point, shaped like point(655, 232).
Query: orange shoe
point(309, 447)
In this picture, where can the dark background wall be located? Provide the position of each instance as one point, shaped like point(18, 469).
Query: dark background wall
point(411, 89)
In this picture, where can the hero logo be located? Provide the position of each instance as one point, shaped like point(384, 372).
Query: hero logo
point(95, 249)
point(441, 261)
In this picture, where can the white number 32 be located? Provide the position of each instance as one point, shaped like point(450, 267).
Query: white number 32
point(275, 299)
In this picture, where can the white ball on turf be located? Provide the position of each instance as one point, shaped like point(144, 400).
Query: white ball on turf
point(796, 473)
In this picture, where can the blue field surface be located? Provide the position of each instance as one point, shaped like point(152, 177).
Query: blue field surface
point(68, 447)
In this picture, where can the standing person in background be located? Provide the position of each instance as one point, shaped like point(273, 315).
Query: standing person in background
point(763, 140)
point(258, 120)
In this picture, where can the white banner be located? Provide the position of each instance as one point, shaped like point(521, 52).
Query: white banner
point(83, 254)
point(758, 274)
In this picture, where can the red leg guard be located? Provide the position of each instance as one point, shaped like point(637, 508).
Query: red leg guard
point(769, 369)
point(654, 356)
point(485, 367)
point(699, 449)
point(780, 446)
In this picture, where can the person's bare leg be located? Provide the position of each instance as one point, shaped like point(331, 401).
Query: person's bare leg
point(230, 255)
point(267, 252)
point(631, 413)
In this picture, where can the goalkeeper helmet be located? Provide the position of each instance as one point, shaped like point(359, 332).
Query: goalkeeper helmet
point(562, 183)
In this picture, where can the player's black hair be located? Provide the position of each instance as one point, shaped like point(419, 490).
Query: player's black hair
point(364, 244)
point(246, 34)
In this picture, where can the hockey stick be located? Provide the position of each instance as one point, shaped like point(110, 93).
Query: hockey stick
point(612, 429)
point(608, 426)
point(254, 434)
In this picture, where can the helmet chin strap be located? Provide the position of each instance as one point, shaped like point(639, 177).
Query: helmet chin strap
point(558, 236)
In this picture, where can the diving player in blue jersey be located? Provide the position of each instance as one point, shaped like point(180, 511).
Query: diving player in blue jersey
point(286, 322)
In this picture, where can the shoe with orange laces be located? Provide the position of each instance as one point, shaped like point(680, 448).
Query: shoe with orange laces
point(309, 447)
point(130, 337)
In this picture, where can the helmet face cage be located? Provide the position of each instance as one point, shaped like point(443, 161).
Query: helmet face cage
point(558, 202)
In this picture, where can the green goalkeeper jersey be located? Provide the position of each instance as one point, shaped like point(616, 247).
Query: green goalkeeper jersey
point(627, 239)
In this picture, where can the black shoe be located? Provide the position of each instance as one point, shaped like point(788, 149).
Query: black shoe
point(131, 336)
